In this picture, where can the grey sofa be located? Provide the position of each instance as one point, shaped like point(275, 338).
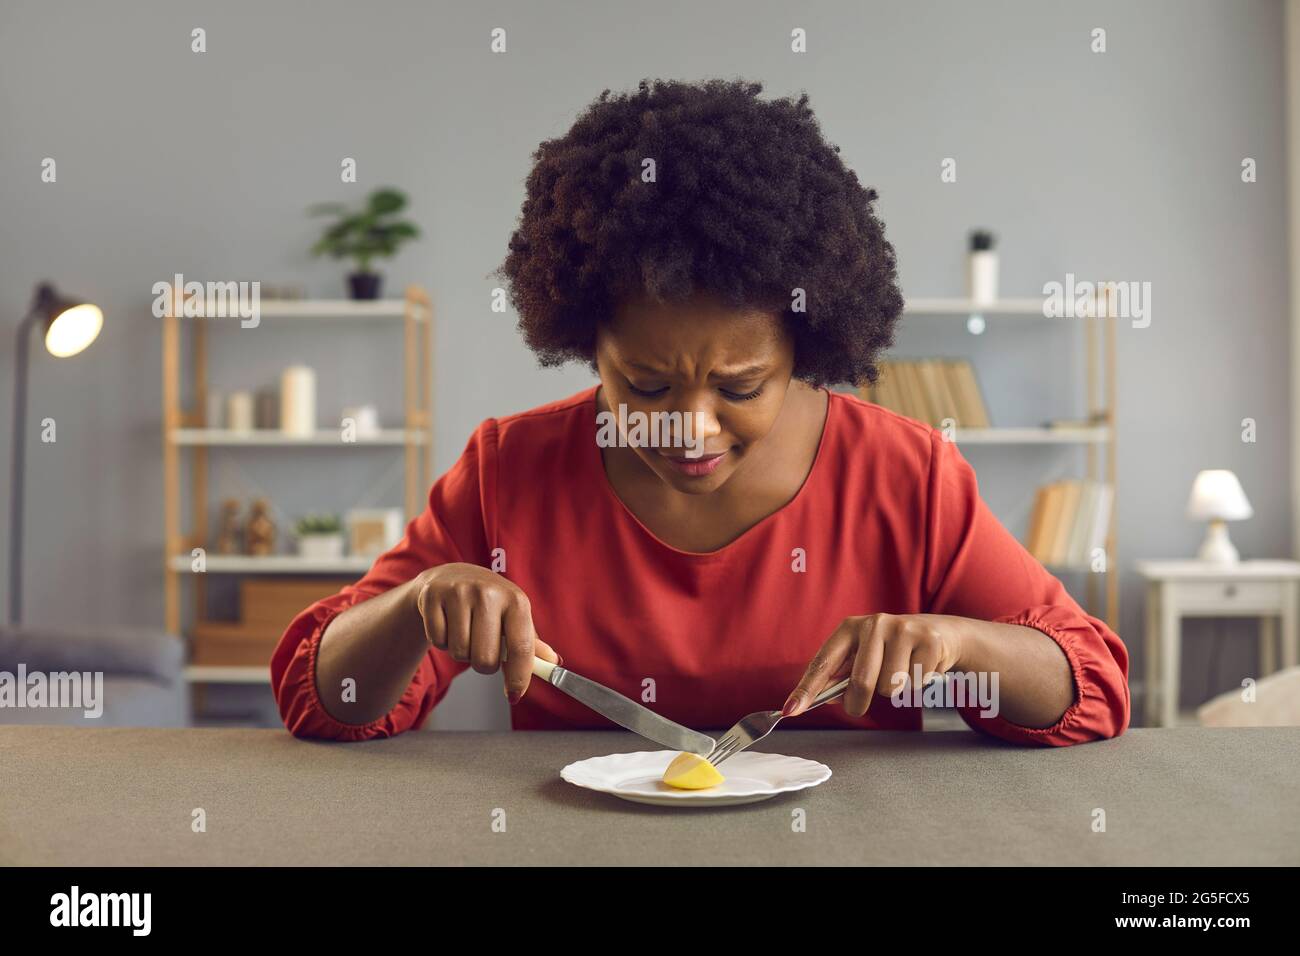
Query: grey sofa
point(143, 674)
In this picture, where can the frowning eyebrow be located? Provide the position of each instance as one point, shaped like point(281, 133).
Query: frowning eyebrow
point(746, 372)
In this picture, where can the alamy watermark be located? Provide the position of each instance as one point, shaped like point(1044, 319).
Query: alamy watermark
point(56, 689)
point(953, 689)
point(637, 429)
point(210, 300)
point(1082, 300)
point(75, 908)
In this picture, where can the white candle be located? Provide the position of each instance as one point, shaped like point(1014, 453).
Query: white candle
point(239, 412)
point(298, 400)
point(215, 412)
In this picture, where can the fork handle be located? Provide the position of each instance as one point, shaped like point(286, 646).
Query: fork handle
point(829, 694)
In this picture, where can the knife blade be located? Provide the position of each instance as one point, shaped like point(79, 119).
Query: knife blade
point(622, 710)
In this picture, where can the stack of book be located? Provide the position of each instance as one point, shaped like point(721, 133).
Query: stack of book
point(931, 390)
point(1070, 519)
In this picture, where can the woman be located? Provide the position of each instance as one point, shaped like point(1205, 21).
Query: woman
point(713, 258)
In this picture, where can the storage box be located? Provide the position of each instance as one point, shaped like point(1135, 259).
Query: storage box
point(267, 606)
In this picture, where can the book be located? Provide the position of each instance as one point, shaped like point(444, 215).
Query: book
point(1069, 510)
point(1051, 520)
point(1069, 520)
point(1099, 526)
point(930, 390)
point(944, 397)
point(974, 413)
point(919, 407)
point(1080, 525)
point(1033, 540)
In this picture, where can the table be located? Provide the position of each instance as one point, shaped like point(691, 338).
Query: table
point(76, 796)
point(1267, 590)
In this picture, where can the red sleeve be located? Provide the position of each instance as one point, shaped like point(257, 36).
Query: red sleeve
point(452, 528)
point(975, 568)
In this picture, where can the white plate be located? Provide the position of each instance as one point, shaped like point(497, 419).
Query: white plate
point(750, 776)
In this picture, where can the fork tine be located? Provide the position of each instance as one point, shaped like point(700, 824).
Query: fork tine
point(748, 730)
point(723, 753)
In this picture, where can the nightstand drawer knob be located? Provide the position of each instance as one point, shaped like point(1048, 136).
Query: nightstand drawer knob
point(1230, 590)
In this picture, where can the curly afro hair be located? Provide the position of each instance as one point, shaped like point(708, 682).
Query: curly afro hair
point(747, 203)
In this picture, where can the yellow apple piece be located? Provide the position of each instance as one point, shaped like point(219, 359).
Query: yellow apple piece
point(690, 771)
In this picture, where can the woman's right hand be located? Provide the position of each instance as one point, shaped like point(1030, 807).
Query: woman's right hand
point(473, 614)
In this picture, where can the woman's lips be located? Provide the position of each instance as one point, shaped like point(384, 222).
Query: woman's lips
point(697, 467)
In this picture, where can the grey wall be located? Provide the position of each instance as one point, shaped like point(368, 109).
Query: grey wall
point(1122, 165)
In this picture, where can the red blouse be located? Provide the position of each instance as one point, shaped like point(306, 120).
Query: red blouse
point(888, 520)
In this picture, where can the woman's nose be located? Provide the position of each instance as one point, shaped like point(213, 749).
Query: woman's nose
point(701, 421)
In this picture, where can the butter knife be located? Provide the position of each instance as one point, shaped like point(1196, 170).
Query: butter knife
point(622, 710)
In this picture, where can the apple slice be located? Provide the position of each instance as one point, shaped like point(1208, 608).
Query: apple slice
point(690, 771)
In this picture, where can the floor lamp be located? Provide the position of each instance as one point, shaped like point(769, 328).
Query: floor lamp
point(68, 326)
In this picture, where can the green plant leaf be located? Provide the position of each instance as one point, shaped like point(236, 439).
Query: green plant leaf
point(385, 202)
point(318, 524)
point(366, 233)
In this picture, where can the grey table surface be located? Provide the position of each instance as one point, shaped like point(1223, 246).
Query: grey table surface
point(1179, 796)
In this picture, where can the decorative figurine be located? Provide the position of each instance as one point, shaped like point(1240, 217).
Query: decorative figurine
point(229, 534)
point(259, 537)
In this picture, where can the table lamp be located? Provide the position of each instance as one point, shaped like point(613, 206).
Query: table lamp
point(1217, 498)
point(68, 326)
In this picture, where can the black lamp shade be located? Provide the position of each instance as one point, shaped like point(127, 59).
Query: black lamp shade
point(68, 324)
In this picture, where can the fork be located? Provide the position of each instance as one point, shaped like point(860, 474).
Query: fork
point(754, 727)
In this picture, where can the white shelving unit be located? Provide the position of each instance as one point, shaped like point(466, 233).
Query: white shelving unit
point(274, 564)
point(1026, 308)
point(1099, 340)
point(1032, 436)
point(267, 438)
point(349, 310)
point(185, 431)
point(199, 674)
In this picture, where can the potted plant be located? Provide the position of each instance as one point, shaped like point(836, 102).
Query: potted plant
point(372, 232)
point(319, 536)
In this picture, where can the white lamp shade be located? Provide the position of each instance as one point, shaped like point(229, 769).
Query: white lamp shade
point(74, 329)
point(1217, 496)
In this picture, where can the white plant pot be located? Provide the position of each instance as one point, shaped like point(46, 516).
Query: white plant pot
point(982, 277)
point(320, 546)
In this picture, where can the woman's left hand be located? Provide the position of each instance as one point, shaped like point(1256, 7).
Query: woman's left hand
point(873, 650)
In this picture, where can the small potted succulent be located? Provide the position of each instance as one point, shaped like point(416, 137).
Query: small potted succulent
point(319, 536)
point(370, 233)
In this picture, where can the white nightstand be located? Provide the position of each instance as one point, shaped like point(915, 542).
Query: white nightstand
point(1267, 590)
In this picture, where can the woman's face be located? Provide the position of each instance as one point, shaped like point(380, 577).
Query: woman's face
point(727, 370)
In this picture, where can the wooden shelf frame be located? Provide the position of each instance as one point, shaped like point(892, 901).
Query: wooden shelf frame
point(1100, 393)
point(185, 431)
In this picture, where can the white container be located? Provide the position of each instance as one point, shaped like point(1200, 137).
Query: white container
point(372, 531)
point(365, 417)
point(982, 277)
point(320, 547)
point(298, 401)
point(239, 412)
point(214, 415)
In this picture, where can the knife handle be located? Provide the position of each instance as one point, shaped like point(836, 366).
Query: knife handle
point(541, 668)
